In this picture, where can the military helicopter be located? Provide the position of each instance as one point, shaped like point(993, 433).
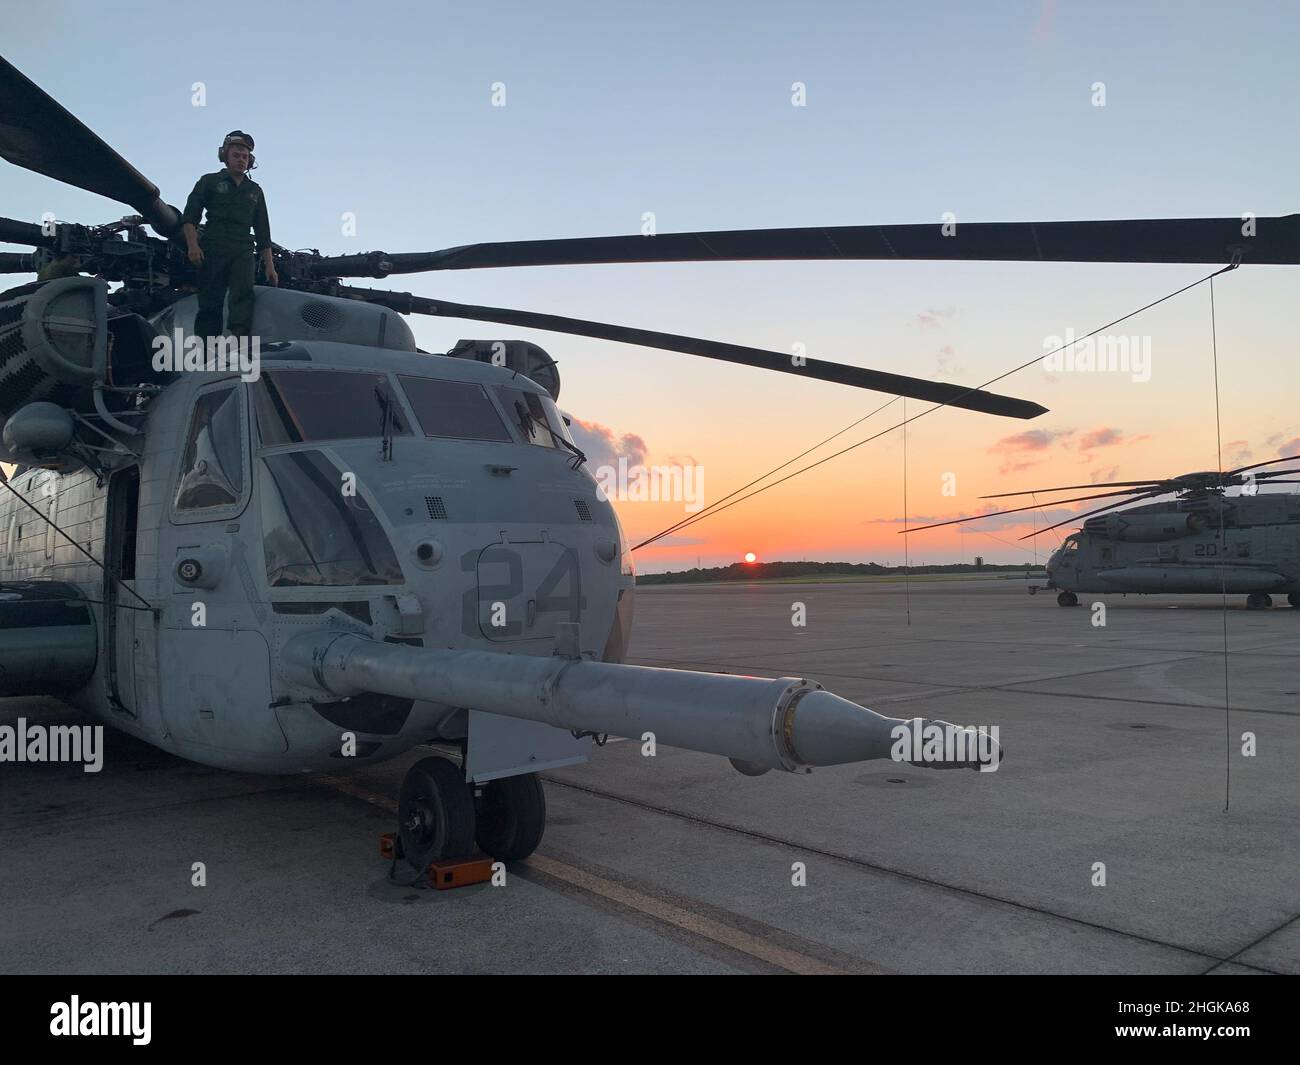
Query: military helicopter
point(364, 547)
point(1201, 540)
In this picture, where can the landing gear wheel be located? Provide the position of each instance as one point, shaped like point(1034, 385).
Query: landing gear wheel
point(511, 817)
point(1067, 599)
point(435, 814)
point(1294, 599)
point(1260, 601)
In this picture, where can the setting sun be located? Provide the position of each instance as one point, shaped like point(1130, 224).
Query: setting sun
point(750, 556)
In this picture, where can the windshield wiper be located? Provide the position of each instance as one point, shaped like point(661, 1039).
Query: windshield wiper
point(386, 423)
point(526, 420)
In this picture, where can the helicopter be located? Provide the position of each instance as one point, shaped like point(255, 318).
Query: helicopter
point(1201, 540)
point(364, 547)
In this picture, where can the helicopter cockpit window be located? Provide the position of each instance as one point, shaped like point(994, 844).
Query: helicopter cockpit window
point(459, 409)
point(533, 414)
point(212, 470)
point(313, 534)
point(296, 406)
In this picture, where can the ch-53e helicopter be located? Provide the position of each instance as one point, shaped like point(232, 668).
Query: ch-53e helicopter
point(184, 560)
point(1201, 540)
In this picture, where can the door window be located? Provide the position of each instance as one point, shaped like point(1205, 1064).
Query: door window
point(212, 465)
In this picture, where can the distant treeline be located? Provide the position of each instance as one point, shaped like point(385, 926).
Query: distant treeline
point(758, 571)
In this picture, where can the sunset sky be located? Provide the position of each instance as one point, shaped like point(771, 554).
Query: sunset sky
point(684, 110)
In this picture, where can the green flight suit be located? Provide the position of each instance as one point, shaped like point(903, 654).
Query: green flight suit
point(228, 261)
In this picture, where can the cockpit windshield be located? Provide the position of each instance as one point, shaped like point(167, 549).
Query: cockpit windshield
point(313, 534)
point(457, 409)
point(296, 406)
point(535, 416)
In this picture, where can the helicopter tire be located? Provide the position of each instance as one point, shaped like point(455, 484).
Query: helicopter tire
point(1294, 599)
point(511, 817)
point(435, 814)
point(1067, 599)
point(1259, 601)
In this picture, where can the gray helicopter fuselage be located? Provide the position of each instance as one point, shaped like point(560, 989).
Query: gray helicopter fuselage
point(1246, 543)
point(341, 488)
point(345, 549)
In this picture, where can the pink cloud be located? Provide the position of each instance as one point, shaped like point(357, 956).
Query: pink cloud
point(1107, 437)
point(1017, 449)
point(933, 317)
point(599, 444)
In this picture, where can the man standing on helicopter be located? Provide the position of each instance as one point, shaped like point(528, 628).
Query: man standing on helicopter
point(234, 203)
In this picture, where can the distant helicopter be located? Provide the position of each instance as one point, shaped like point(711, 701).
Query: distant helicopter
point(1199, 541)
point(365, 547)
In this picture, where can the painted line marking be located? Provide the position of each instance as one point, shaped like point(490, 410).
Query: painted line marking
point(790, 960)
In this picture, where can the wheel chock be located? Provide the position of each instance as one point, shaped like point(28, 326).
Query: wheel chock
point(452, 873)
point(460, 873)
point(390, 847)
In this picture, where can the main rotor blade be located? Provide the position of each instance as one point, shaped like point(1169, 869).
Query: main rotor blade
point(16, 262)
point(1089, 513)
point(1170, 481)
point(1257, 465)
point(39, 134)
point(1142, 240)
point(877, 380)
point(1072, 487)
point(14, 232)
point(1018, 510)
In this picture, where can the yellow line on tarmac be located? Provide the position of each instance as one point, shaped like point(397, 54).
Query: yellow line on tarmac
point(790, 960)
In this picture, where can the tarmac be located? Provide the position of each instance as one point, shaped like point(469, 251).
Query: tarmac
point(1101, 844)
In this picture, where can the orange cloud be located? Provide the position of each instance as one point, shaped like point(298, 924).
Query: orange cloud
point(1107, 437)
point(1032, 441)
point(601, 448)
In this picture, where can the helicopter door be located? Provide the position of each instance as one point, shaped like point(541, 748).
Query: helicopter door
point(120, 617)
point(216, 697)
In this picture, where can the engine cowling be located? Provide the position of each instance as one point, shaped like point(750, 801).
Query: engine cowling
point(1144, 528)
point(53, 344)
point(61, 344)
point(518, 355)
